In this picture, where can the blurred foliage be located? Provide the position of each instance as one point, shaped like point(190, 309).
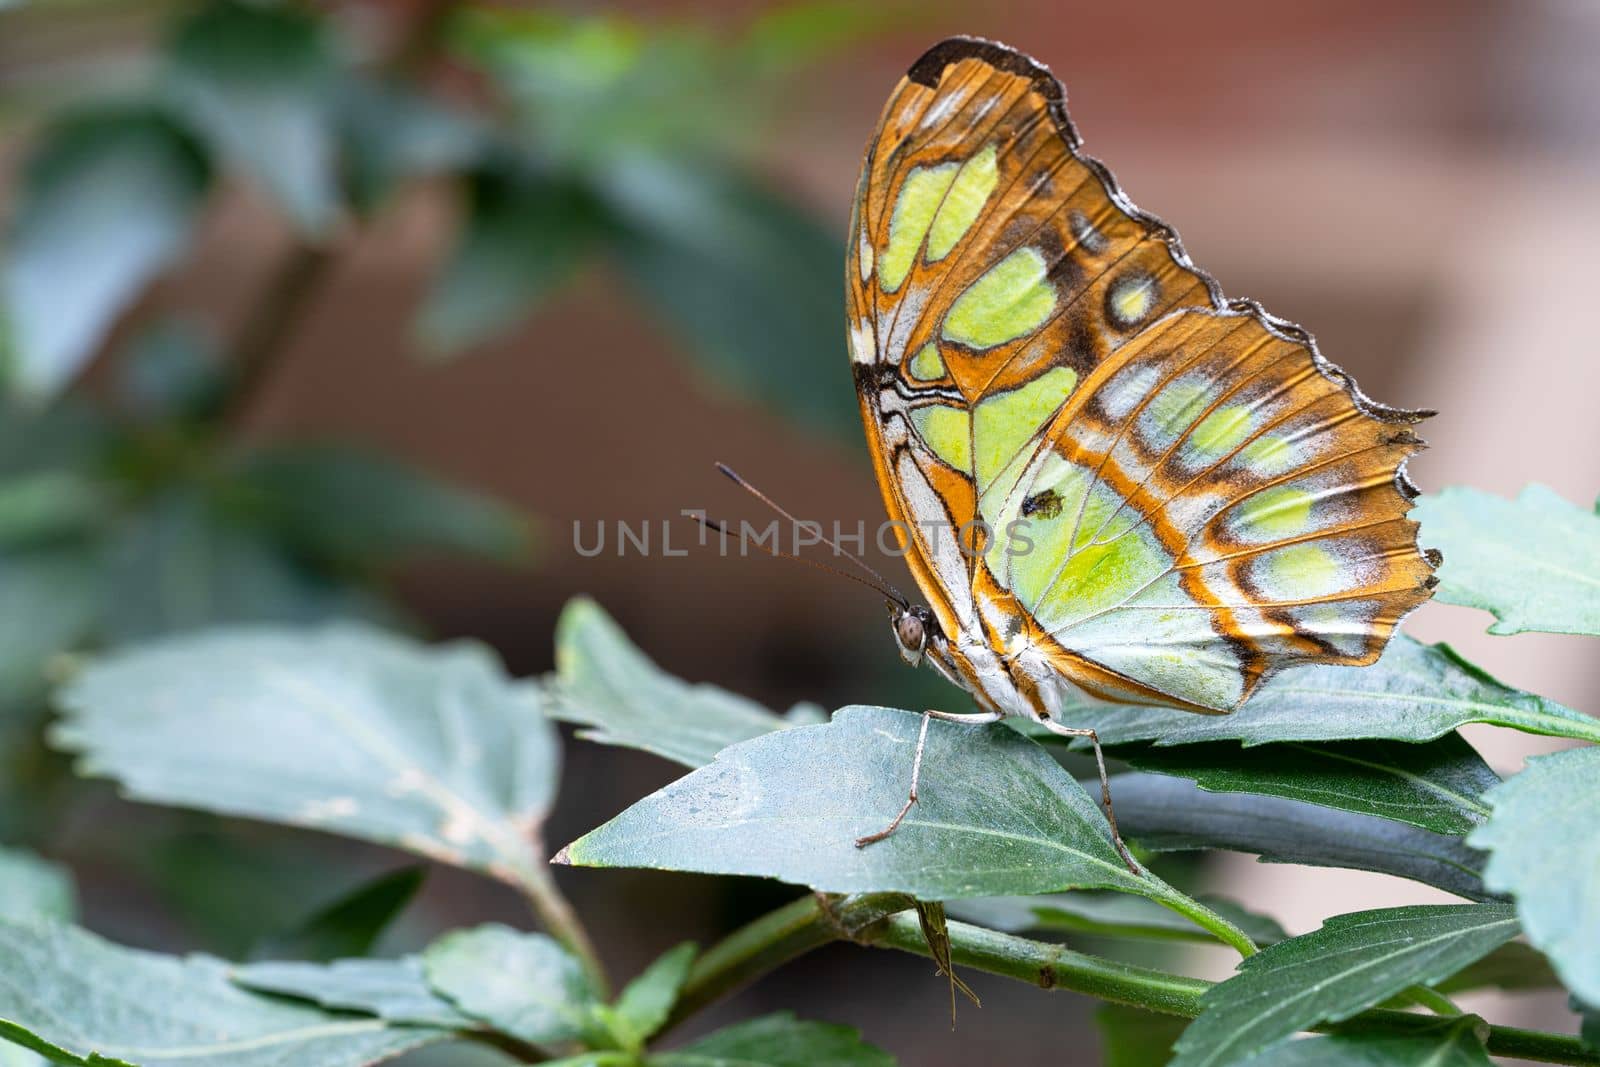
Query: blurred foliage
point(132, 507)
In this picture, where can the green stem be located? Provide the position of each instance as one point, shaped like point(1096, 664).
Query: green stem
point(1206, 919)
point(881, 920)
point(557, 916)
point(775, 939)
point(1432, 999)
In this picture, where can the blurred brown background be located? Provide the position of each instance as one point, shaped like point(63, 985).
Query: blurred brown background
point(1416, 182)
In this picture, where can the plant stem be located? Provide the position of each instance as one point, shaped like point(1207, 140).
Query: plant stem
point(1432, 999)
point(1057, 967)
point(270, 324)
point(881, 920)
point(1208, 920)
point(557, 916)
point(775, 939)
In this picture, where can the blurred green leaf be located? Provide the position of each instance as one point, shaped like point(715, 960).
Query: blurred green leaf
point(1533, 562)
point(645, 1002)
point(586, 89)
point(522, 984)
point(357, 509)
point(66, 993)
point(66, 437)
point(1436, 785)
point(1513, 967)
point(1133, 1038)
point(1415, 692)
point(229, 886)
point(1544, 851)
point(394, 990)
point(525, 236)
point(1591, 1029)
point(1351, 963)
point(1109, 915)
point(1173, 814)
point(183, 563)
point(778, 1040)
point(107, 201)
point(50, 505)
point(604, 682)
point(392, 132)
point(49, 601)
point(260, 81)
point(349, 926)
point(1446, 1043)
point(786, 37)
point(343, 729)
point(996, 815)
point(34, 888)
point(171, 371)
point(748, 281)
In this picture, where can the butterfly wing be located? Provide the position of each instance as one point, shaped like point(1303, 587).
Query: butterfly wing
point(1206, 499)
point(992, 266)
point(1215, 503)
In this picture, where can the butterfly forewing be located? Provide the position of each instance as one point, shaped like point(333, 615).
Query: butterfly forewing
point(1029, 346)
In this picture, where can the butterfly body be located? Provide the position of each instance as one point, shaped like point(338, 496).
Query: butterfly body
point(1110, 479)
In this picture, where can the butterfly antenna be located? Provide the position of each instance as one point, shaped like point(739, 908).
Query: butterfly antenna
point(884, 586)
point(884, 590)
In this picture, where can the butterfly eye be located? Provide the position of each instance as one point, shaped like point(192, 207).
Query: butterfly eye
point(909, 629)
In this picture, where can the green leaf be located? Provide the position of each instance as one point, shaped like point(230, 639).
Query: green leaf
point(48, 506)
point(1446, 1043)
point(524, 238)
point(184, 563)
point(1591, 1029)
point(746, 279)
point(260, 81)
point(1351, 963)
point(359, 509)
point(1544, 851)
point(351, 925)
point(645, 1002)
point(778, 1040)
point(1109, 915)
point(59, 587)
point(107, 201)
point(605, 683)
point(1133, 1038)
point(1534, 562)
point(343, 729)
point(996, 816)
point(395, 990)
point(65, 993)
point(522, 984)
point(1415, 692)
point(1171, 814)
point(1436, 785)
point(33, 888)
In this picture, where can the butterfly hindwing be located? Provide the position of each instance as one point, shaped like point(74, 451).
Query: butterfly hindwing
point(1214, 504)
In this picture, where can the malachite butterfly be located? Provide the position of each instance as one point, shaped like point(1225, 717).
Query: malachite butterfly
point(1115, 480)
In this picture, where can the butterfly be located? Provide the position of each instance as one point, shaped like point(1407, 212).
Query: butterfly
point(1109, 479)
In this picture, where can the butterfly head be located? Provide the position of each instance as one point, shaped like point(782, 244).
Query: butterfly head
point(913, 627)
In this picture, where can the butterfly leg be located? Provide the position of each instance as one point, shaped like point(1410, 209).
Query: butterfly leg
point(1105, 785)
point(977, 719)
